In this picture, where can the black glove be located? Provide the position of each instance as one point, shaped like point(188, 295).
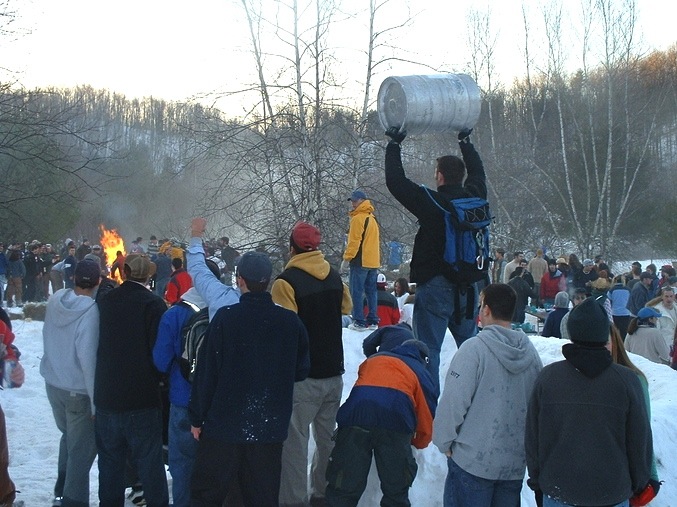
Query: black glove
point(463, 135)
point(395, 134)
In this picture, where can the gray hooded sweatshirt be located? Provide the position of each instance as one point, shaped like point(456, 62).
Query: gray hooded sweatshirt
point(70, 337)
point(481, 415)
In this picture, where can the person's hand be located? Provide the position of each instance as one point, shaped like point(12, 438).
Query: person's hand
point(646, 495)
point(344, 267)
point(196, 432)
point(395, 134)
point(18, 375)
point(464, 135)
point(197, 227)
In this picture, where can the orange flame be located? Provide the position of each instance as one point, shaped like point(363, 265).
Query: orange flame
point(111, 243)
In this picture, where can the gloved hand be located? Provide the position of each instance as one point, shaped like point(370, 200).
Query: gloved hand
point(344, 267)
point(464, 135)
point(646, 495)
point(395, 134)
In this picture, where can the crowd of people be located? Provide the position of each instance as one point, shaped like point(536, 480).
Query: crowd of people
point(268, 372)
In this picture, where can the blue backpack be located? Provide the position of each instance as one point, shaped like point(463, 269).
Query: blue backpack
point(466, 247)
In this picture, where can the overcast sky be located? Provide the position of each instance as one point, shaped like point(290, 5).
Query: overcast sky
point(176, 49)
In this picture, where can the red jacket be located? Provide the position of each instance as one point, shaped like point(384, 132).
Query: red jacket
point(178, 284)
point(388, 310)
point(7, 340)
point(550, 286)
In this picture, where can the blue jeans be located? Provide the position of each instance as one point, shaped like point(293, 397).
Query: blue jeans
point(140, 431)
point(182, 449)
point(551, 502)
point(77, 447)
point(362, 283)
point(462, 489)
point(435, 312)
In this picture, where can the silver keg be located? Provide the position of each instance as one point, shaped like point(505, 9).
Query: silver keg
point(425, 104)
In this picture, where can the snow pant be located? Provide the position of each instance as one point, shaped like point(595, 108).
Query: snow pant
point(77, 447)
point(255, 467)
point(350, 462)
point(316, 402)
point(7, 488)
point(140, 431)
point(14, 289)
point(441, 305)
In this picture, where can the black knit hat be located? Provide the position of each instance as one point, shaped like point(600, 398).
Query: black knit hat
point(589, 322)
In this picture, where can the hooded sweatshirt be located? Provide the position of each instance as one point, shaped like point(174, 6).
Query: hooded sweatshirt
point(71, 338)
point(312, 289)
point(482, 411)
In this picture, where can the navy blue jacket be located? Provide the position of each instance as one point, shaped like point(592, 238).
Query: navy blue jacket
point(244, 382)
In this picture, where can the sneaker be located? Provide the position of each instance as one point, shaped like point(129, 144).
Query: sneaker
point(136, 495)
point(58, 500)
point(372, 327)
point(357, 327)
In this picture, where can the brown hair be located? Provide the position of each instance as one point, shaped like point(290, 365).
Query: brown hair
point(452, 169)
point(618, 353)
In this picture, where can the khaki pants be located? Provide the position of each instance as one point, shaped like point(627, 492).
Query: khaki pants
point(316, 402)
point(14, 288)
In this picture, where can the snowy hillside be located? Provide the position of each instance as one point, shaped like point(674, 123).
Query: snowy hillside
point(33, 437)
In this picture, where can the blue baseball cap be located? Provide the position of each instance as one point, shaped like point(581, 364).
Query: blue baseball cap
point(647, 312)
point(357, 195)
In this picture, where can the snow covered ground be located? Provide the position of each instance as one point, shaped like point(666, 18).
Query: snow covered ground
point(33, 437)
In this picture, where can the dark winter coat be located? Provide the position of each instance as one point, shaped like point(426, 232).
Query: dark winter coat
point(588, 437)
point(243, 387)
point(553, 321)
point(312, 289)
point(394, 391)
point(639, 296)
point(428, 256)
point(524, 292)
point(126, 378)
point(386, 338)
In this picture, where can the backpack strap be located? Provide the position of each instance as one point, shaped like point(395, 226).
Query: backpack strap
point(432, 198)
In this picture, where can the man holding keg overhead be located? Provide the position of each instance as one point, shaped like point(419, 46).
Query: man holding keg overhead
point(444, 297)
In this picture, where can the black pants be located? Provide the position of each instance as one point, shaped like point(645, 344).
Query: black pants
point(255, 467)
point(350, 461)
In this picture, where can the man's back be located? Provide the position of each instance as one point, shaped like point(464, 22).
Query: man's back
point(319, 299)
point(587, 436)
point(254, 352)
point(125, 376)
point(482, 411)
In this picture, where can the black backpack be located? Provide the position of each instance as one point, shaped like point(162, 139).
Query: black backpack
point(192, 337)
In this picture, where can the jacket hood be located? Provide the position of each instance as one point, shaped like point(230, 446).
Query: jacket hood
point(193, 296)
point(512, 348)
point(364, 207)
point(312, 263)
point(71, 307)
